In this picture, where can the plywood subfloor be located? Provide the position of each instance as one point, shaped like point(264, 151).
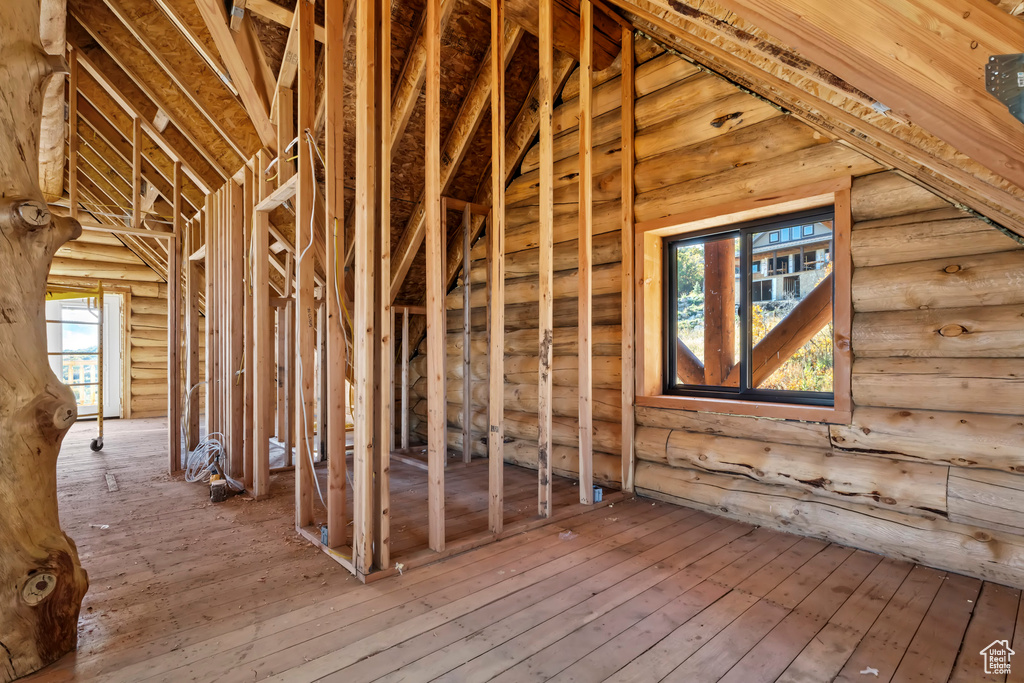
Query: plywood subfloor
point(640, 591)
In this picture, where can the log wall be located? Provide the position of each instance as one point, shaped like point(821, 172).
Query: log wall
point(98, 256)
point(931, 468)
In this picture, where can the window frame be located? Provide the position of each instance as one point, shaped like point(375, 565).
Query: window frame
point(744, 233)
point(649, 299)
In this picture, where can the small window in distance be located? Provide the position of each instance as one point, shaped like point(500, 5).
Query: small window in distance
point(761, 291)
point(808, 230)
point(727, 337)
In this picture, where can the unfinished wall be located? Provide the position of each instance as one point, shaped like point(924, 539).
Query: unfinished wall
point(930, 469)
point(521, 290)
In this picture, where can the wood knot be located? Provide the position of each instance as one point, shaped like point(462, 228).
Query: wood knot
point(982, 536)
point(889, 501)
point(954, 268)
point(702, 457)
point(952, 330)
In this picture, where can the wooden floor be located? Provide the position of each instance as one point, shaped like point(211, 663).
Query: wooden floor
point(183, 590)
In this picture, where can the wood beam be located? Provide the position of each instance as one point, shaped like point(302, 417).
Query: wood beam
point(173, 332)
point(586, 248)
point(628, 123)
point(889, 50)
point(255, 105)
point(467, 336)
point(264, 386)
point(719, 310)
point(281, 15)
point(73, 133)
point(337, 361)
point(405, 379)
point(690, 369)
point(806, 319)
point(385, 357)
point(193, 371)
point(437, 442)
point(496, 314)
point(566, 28)
point(52, 32)
point(545, 248)
point(136, 174)
point(363, 325)
point(305, 330)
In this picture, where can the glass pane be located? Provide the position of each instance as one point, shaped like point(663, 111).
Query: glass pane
point(82, 340)
point(707, 317)
point(791, 309)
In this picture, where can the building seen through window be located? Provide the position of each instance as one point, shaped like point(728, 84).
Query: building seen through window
point(750, 311)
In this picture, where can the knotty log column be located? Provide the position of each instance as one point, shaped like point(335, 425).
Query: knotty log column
point(41, 580)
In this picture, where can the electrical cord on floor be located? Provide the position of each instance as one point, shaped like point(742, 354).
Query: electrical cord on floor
point(205, 459)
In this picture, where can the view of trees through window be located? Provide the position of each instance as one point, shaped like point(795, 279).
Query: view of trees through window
point(758, 297)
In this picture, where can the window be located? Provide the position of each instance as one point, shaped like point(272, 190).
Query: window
point(808, 230)
point(773, 237)
point(725, 337)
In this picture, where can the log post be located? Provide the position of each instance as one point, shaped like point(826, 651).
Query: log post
point(42, 582)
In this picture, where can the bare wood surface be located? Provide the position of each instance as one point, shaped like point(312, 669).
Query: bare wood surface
point(43, 580)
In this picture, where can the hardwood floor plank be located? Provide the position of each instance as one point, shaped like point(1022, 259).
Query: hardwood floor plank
point(422, 657)
point(183, 589)
point(341, 638)
point(934, 648)
point(585, 641)
point(994, 617)
point(776, 650)
point(831, 568)
point(883, 647)
point(661, 659)
point(823, 657)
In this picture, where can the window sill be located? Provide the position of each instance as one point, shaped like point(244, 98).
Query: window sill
point(782, 411)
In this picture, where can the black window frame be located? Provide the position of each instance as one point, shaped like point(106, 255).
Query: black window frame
point(670, 296)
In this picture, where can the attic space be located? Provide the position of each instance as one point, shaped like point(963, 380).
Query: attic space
point(511, 340)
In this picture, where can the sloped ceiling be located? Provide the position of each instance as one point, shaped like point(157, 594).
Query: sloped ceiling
point(899, 80)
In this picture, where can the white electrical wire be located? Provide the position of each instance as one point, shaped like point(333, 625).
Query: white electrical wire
point(298, 260)
point(206, 458)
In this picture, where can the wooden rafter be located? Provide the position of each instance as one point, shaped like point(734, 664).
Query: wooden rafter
point(255, 105)
point(566, 28)
point(467, 122)
point(126, 63)
point(280, 15)
point(129, 106)
point(887, 140)
point(162, 42)
point(889, 49)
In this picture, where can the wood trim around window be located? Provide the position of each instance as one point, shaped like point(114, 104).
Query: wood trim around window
point(648, 254)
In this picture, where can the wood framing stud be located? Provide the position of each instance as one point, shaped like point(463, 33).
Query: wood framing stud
point(545, 243)
point(586, 245)
point(496, 356)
